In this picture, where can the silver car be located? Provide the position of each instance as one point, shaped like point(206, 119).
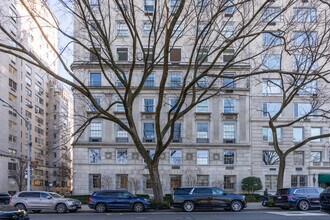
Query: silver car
point(37, 201)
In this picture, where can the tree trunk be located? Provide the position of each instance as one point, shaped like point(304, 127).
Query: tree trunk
point(156, 184)
point(281, 169)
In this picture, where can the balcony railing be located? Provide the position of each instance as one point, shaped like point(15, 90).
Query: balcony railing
point(320, 164)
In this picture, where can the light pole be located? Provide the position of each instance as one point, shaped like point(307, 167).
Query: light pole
point(28, 126)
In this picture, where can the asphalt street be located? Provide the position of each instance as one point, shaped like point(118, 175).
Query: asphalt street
point(179, 215)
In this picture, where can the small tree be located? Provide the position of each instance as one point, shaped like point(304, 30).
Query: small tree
point(134, 184)
point(251, 184)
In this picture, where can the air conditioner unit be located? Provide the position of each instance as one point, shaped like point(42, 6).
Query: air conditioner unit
point(29, 105)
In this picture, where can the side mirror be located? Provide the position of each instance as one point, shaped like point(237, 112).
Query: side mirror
point(49, 197)
point(224, 193)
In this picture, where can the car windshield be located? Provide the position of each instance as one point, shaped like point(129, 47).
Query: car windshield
point(55, 195)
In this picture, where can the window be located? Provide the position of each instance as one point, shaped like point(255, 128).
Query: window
point(121, 134)
point(28, 69)
point(177, 133)
point(151, 153)
point(124, 78)
point(302, 109)
point(309, 88)
point(298, 180)
point(28, 91)
point(39, 100)
point(271, 61)
point(176, 157)
point(177, 29)
point(271, 182)
point(122, 29)
point(150, 81)
point(202, 55)
point(304, 14)
point(94, 181)
point(268, 136)
point(173, 104)
point(271, 39)
point(229, 6)
point(13, 15)
point(149, 132)
point(301, 39)
point(28, 81)
point(270, 158)
point(271, 14)
point(202, 157)
point(229, 132)
point(203, 180)
point(94, 54)
point(122, 53)
point(94, 3)
point(147, 28)
point(98, 103)
point(120, 106)
point(201, 25)
point(121, 156)
point(316, 156)
point(94, 156)
point(95, 132)
point(302, 62)
point(95, 79)
point(270, 109)
point(12, 84)
point(175, 55)
point(148, 54)
point(39, 79)
point(228, 105)
point(298, 158)
point(12, 125)
point(203, 106)
point(229, 182)
point(229, 55)
point(38, 110)
point(174, 5)
point(39, 120)
point(229, 82)
point(175, 79)
point(149, 5)
point(228, 29)
point(12, 166)
point(316, 131)
point(13, 29)
point(148, 105)
point(229, 156)
point(38, 141)
point(28, 114)
point(38, 89)
point(12, 97)
point(175, 181)
point(271, 86)
point(121, 181)
point(298, 134)
point(147, 181)
point(202, 132)
point(203, 82)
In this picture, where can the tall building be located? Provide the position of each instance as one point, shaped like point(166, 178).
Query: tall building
point(223, 139)
point(26, 90)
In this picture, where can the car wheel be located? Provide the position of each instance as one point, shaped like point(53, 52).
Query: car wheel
point(100, 207)
point(73, 210)
point(36, 211)
point(303, 205)
point(20, 206)
point(61, 208)
point(188, 206)
point(138, 207)
point(236, 206)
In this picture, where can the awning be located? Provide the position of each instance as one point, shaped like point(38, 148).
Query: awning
point(324, 178)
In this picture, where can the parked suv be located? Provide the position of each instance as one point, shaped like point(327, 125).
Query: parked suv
point(105, 200)
point(189, 198)
point(302, 198)
point(325, 200)
point(4, 198)
point(37, 201)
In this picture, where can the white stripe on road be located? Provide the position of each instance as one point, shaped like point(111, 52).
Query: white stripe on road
point(302, 214)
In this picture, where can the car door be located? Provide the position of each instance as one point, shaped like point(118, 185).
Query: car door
point(123, 200)
point(313, 196)
point(45, 201)
point(202, 196)
point(219, 198)
point(31, 199)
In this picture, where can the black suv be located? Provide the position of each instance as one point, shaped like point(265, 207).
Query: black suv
point(189, 198)
point(302, 198)
point(325, 200)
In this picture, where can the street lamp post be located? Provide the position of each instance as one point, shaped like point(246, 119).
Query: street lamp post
point(28, 126)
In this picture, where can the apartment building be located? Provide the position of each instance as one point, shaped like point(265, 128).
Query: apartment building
point(26, 89)
point(219, 142)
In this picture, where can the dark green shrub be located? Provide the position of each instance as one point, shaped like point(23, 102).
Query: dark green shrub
point(251, 184)
point(82, 198)
point(270, 202)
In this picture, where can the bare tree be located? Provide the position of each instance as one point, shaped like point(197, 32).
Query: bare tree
point(134, 184)
point(214, 46)
point(106, 182)
point(19, 174)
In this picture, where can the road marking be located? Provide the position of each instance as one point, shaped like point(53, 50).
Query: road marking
point(303, 214)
